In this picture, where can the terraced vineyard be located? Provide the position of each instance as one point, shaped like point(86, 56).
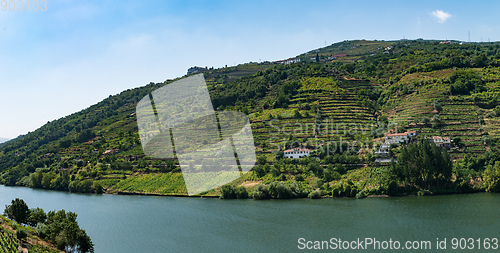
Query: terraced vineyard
point(340, 110)
point(8, 242)
point(459, 117)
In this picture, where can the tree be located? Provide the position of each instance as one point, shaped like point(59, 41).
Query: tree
point(424, 164)
point(492, 177)
point(47, 178)
point(259, 171)
point(384, 119)
point(36, 216)
point(41, 229)
point(436, 121)
point(227, 192)
point(83, 242)
point(241, 192)
point(279, 155)
point(85, 135)
point(496, 110)
point(425, 120)
point(62, 229)
point(458, 141)
point(297, 114)
point(18, 211)
point(275, 171)
point(261, 160)
point(98, 188)
point(299, 178)
point(36, 179)
point(438, 106)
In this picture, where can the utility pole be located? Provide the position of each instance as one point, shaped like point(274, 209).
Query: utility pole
point(469, 36)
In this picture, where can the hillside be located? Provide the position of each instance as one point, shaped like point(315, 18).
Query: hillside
point(447, 90)
point(9, 242)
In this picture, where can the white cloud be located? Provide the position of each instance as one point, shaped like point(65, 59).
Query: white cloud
point(441, 15)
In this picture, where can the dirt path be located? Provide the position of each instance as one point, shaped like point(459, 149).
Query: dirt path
point(249, 184)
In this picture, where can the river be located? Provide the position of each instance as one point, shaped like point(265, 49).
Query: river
point(118, 223)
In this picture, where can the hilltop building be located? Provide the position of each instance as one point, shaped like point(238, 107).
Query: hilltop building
point(196, 69)
point(288, 61)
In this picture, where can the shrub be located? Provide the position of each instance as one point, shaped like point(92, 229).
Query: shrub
point(227, 192)
point(37, 215)
point(319, 183)
point(261, 192)
point(492, 177)
point(344, 189)
point(98, 188)
point(21, 233)
point(425, 120)
point(41, 230)
point(299, 178)
point(275, 171)
point(259, 171)
point(361, 194)
point(261, 160)
point(437, 106)
point(297, 114)
point(315, 194)
point(496, 110)
point(241, 192)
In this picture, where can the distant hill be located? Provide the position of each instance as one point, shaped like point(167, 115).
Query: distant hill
point(2, 140)
point(437, 89)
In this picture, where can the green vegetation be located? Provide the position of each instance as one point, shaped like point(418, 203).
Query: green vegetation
point(492, 178)
point(349, 93)
point(59, 228)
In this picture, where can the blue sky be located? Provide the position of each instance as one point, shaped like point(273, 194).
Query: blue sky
point(77, 53)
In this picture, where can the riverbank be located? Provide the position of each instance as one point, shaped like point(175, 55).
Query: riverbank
point(325, 194)
point(162, 195)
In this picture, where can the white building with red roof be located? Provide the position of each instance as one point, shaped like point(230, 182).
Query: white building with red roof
point(399, 137)
point(296, 153)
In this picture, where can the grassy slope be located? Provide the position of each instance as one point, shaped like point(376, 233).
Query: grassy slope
point(354, 49)
point(9, 243)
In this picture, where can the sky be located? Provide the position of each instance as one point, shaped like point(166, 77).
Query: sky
point(76, 53)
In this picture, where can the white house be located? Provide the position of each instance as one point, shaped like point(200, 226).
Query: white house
point(441, 141)
point(396, 138)
point(383, 150)
point(296, 153)
point(399, 137)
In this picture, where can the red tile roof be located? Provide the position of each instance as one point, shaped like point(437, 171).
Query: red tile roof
point(297, 149)
point(400, 134)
